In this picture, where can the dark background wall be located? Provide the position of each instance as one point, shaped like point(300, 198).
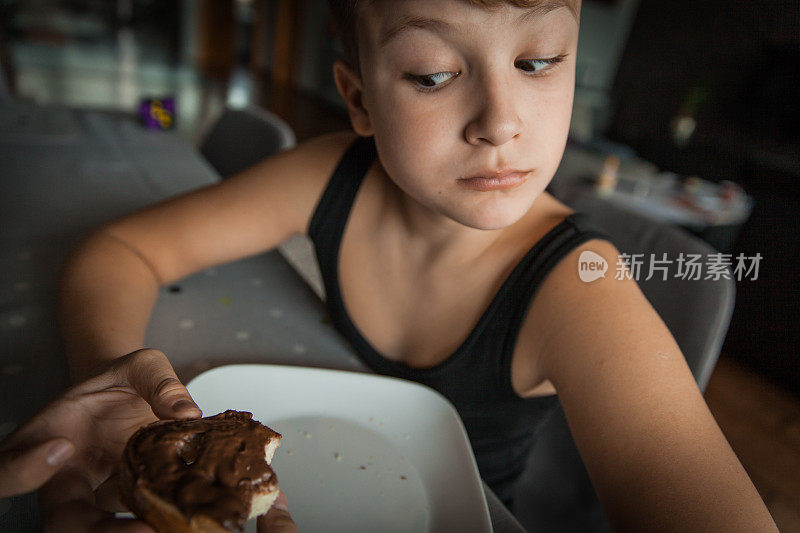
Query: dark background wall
point(733, 66)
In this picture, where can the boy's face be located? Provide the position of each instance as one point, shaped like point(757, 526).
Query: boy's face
point(453, 91)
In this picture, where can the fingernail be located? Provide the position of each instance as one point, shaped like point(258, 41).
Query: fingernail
point(182, 405)
point(59, 452)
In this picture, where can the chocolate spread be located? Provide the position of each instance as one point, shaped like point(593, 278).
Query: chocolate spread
point(210, 466)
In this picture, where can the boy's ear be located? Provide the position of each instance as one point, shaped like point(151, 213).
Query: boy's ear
point(352, 90)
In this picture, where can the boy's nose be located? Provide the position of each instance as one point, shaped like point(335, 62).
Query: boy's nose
point(497, 120)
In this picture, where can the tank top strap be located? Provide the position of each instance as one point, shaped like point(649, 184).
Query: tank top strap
point(330, 216)
point(520, 289)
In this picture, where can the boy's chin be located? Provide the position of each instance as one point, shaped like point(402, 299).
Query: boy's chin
point(496, 211)
point(491, 219)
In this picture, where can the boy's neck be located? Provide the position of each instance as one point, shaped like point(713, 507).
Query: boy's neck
point(432, 237)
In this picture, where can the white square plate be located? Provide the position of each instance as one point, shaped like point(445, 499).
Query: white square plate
point(359, 452)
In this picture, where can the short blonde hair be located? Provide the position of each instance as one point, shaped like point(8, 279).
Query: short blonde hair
point(345, 15)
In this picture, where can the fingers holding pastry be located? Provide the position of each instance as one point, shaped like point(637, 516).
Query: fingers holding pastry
point(24, 471)
point(67, 503)
point(107, 496)
point(277, 519)
point(150, 373)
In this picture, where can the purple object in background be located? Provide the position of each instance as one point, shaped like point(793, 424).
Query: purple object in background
point(157, 113)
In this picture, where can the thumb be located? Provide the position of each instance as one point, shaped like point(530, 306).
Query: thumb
point(150, 373)
point(24, 471)
point(277, 519)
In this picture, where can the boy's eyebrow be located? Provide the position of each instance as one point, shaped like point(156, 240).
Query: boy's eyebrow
point(440, 26)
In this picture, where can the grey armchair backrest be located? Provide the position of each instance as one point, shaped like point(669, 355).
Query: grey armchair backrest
point(241, 138)
point(555, 492)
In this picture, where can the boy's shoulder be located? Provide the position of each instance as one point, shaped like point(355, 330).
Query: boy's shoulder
point(303, 169)
point(331, 143)
point(298, 177)
point(323, 152)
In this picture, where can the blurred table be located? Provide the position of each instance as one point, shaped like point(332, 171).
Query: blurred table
point(714, 212)
point(64, 172)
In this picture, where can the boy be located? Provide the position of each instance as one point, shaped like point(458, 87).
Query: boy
point(434, 234)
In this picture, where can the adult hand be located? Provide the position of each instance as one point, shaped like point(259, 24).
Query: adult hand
point(98, 417)
point(277, 519)
point(25, 470)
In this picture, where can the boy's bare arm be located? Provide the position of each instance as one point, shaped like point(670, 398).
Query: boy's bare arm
point(656, 456)
point(105, 297)
point(110, 282)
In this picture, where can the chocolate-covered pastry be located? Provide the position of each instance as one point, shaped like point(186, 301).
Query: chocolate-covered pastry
point(208, 474)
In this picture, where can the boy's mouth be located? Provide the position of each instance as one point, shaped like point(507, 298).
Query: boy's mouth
point(495, 180)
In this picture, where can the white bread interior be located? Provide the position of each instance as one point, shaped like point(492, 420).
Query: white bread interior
point(269, 449)
point(261, 503)
point(263, 500)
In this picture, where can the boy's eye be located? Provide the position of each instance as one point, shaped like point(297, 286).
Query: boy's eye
point(432, 82)
point(428, 82)
point(535, 66)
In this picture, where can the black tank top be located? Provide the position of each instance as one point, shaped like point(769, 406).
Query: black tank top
point(476, 378)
